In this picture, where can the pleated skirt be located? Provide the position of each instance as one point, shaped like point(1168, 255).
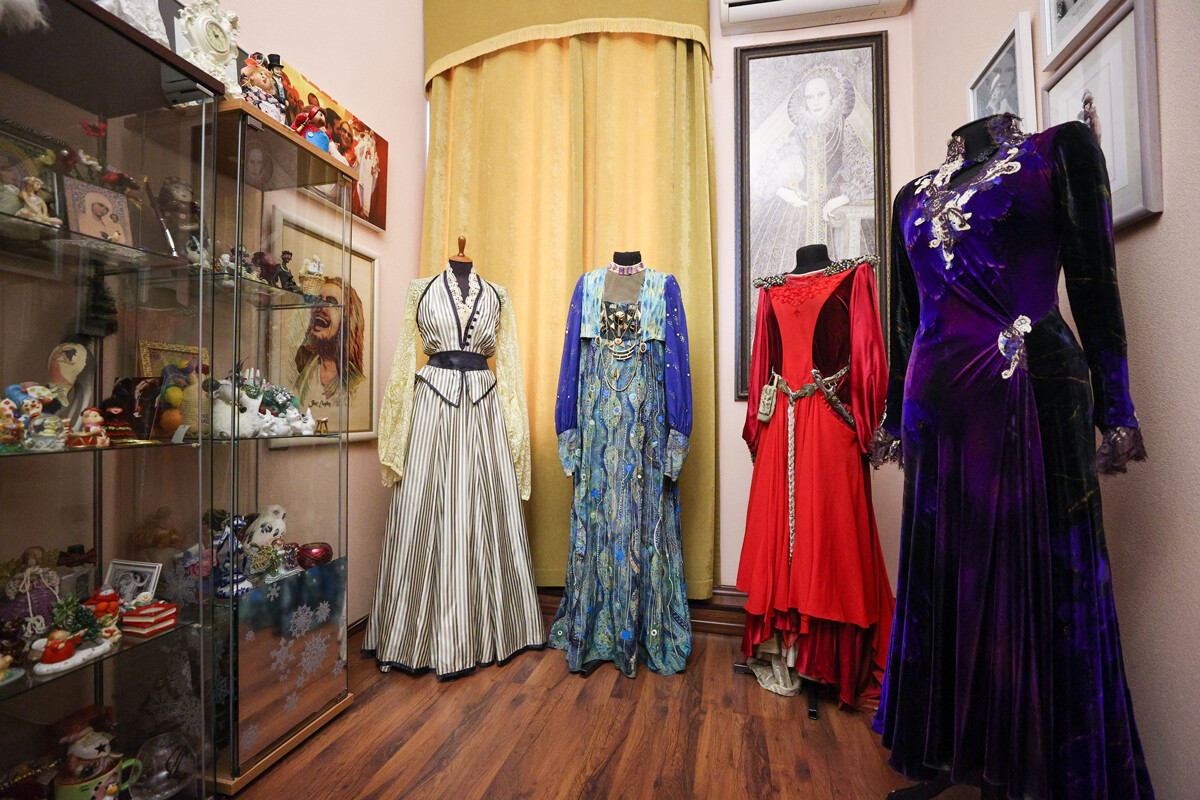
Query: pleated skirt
point(455, 587)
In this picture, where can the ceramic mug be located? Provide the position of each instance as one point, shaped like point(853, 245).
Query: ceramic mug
point(97, 788)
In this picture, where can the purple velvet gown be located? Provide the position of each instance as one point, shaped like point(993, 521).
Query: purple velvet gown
point(1005, 662)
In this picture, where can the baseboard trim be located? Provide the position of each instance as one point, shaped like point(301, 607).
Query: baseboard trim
point(358, 626)
point(721, 614)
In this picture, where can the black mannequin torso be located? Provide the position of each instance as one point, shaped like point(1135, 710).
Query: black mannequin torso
point(979, 147)
point(627, 258)
point(462, 272)
point(810, 258)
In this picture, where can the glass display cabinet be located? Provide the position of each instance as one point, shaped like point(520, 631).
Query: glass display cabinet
point(107, 145)
point(276, 435)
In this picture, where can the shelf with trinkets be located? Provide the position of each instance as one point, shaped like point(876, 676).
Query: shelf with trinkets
point(102, 354)
point(281, 245)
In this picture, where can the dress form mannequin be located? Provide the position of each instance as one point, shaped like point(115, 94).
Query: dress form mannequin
point(461, 266)
point(810, 258)
point(979, 147)
point(627, 258)
point(980, 144)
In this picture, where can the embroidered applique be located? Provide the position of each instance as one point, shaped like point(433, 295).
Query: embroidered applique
point(1011, 344)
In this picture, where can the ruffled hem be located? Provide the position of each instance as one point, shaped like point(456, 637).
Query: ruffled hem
point(835, 653)
point(1119, 446)
point(884, 448)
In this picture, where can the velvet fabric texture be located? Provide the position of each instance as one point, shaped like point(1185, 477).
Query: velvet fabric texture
point(1005, 662)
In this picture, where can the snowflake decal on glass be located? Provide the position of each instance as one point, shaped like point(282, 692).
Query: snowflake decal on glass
point(313, 655)
point(249, 636)
point(302, 621)
point(221, 687)
point(272, 592)
point(282, 655)
point(250, 736)
point(289, 705)
point(339, 667)
point(323, 612)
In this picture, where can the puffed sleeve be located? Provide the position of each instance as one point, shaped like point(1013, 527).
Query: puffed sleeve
point(868, 364)
point(566, 410)
point(905, 306)
point(678, 381)
point(510, 381)
point(1084, 224)
point(395, 418)
point(764, 359)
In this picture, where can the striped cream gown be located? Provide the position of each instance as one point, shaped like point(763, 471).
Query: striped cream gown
point(455, 584)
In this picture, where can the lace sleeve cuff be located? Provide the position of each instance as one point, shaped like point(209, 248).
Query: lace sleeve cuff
point(884, 447)
point(1119, 446)
point(568, 450)
point(677, 450)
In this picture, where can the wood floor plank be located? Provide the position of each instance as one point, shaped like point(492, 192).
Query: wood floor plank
point(533, 731)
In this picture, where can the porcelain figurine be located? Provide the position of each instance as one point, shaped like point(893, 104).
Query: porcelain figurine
point(35, 207)
point(57, 647)
point(89, 754)
point(270, 523)
point(104, 601)
point(93, 422)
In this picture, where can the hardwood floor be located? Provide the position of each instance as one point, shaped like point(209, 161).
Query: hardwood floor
point(530, 729)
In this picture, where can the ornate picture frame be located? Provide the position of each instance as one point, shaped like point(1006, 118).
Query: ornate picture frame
point(812, 162)
point(1111, 84)
point(153, 356)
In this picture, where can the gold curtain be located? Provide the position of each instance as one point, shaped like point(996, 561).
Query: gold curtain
point(549, 155)
point(460, 30)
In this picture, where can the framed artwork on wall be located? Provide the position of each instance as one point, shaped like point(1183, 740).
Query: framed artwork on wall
point(301, 339)
point(153, 356)
point(1004, 83)
point(1066, 24)
point(812, 161)
point(1111, 85)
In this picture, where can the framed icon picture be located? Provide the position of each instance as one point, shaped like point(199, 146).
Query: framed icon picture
point(1111, 85)
point(1004, 83)
point(812, 161)
point(97, 212)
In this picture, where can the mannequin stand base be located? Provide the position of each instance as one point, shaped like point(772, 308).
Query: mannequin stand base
point(587, 669)
point(810, 688)
point(925, 790)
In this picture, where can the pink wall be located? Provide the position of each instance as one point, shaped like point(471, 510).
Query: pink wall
point(734, 460)
point(369, 55)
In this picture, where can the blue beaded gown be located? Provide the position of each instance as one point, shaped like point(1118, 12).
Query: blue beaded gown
point(624, 415)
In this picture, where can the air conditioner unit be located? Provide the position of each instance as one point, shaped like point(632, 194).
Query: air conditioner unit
point(750, 16)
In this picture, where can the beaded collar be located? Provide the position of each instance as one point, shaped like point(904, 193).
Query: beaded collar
point(621, 269)
point(833, 269)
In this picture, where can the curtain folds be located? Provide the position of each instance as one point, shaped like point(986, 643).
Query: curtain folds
point(549, 155)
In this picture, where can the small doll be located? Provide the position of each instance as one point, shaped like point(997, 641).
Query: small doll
point(117, 410)
point(156, 539)
point(311, 125)
point(258, 89)
point(93, 422)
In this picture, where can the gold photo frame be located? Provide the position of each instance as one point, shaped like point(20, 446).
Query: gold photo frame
point(153, 356)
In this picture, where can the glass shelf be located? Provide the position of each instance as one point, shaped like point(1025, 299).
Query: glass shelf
point(264, 295)
point(148, 443)
point(36, 241)
point(29, 681)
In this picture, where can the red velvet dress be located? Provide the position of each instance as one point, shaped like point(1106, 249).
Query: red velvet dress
point(833, 602)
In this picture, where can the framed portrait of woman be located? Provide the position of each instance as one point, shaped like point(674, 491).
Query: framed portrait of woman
point(812, 162)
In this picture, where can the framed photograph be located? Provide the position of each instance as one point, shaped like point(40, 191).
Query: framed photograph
point(303, 352)
point(1004, 84)
point(812, 162)
point(1111, 85)
point(1067, 23)
point(131, 578)
point(97, 212)
point(153, 356)
point(24, 153)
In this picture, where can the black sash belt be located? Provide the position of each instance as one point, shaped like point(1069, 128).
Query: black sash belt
point(461, 360)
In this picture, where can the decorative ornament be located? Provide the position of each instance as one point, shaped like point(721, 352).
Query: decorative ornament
point(213, 35)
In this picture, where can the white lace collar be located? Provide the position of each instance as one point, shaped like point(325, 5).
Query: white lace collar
point(463, 305)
